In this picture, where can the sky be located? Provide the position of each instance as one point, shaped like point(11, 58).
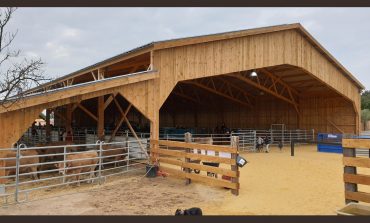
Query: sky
point(68, 39)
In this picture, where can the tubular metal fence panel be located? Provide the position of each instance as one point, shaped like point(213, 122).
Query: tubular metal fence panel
point(36, 168)
point(248, 137)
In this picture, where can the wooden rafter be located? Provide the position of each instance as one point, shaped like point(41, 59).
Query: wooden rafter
point(242, 91)
point(93, 75)
point(209, 85)
point(274, 86)
point(180, 92)
point(87, 111)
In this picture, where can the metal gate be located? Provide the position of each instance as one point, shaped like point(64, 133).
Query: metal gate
point(37, 168)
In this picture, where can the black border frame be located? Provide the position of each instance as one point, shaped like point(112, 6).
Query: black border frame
point(184, 3)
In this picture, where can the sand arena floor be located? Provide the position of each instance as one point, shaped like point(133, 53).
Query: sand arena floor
point(271, 184)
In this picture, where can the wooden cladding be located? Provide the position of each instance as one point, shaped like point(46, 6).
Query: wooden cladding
point(356, 143)
point(195, 146)
point(175, 158)
point(351, 177)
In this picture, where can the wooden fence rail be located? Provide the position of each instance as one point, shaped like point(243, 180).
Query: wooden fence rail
point(177, 159)
point(351, 163)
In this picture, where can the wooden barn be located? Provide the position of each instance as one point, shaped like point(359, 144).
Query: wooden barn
point(246, 79)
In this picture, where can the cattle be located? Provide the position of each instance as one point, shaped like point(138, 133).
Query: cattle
point(51, 151)
point(22, 162)
point(190, 211)
point(78, 163)
point(112, 153)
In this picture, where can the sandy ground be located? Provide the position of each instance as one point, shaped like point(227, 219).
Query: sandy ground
point(271, 184)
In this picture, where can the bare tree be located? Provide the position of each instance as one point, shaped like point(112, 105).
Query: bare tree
point(17, 74)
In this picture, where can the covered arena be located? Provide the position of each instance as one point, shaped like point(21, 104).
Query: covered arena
point(242, 80)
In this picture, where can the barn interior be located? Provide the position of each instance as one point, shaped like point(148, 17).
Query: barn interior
point(256, 99)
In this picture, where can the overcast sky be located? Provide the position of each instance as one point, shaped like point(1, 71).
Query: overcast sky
point(68, 39)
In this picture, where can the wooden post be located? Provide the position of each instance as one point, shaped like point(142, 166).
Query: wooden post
point(291, 147)
point(350, 170)
point(47, 127)
point(101, 118)
point(69, 118)
point(235, 144)
point(154, 132)
point(187, 160)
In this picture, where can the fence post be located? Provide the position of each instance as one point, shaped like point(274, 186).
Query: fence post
point(126, 132)
point(187, 160)
point(100, 159)
point(64, 163)
point(254, 140)
point(128, 156)
point(350, 170)
point(17, 161)
point(235, 168)
point(313, 134)
point(271, 136)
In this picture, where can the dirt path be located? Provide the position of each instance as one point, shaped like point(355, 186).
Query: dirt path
point(271, 184)
point(132, 195)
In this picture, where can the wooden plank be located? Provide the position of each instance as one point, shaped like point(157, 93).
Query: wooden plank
point(235, 168)
point(356, 178)
point(196, 166)
point(181, 154)
point(200, 178)
point(187, 160)
point(348, 153)
point(194, 146)
point(356, 143)
point(356, 162)
point(357, 196)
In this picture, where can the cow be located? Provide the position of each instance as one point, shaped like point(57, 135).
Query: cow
point(49, 153)
point(112, 153)
point(78, 163)
point(23, 161)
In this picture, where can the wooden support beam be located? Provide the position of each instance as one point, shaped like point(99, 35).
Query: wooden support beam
point(185, 96)
point(124, 115)
point(93, 75)
point(215, 91)
point(240, 89)
point(101, 72)
point(101, 109)
point(48, 127)
point(56, 113)
point(69, 118)
point(335, 126)
point(109, 100)
point(266, 89)
point(121, 120)
point(87, 112)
